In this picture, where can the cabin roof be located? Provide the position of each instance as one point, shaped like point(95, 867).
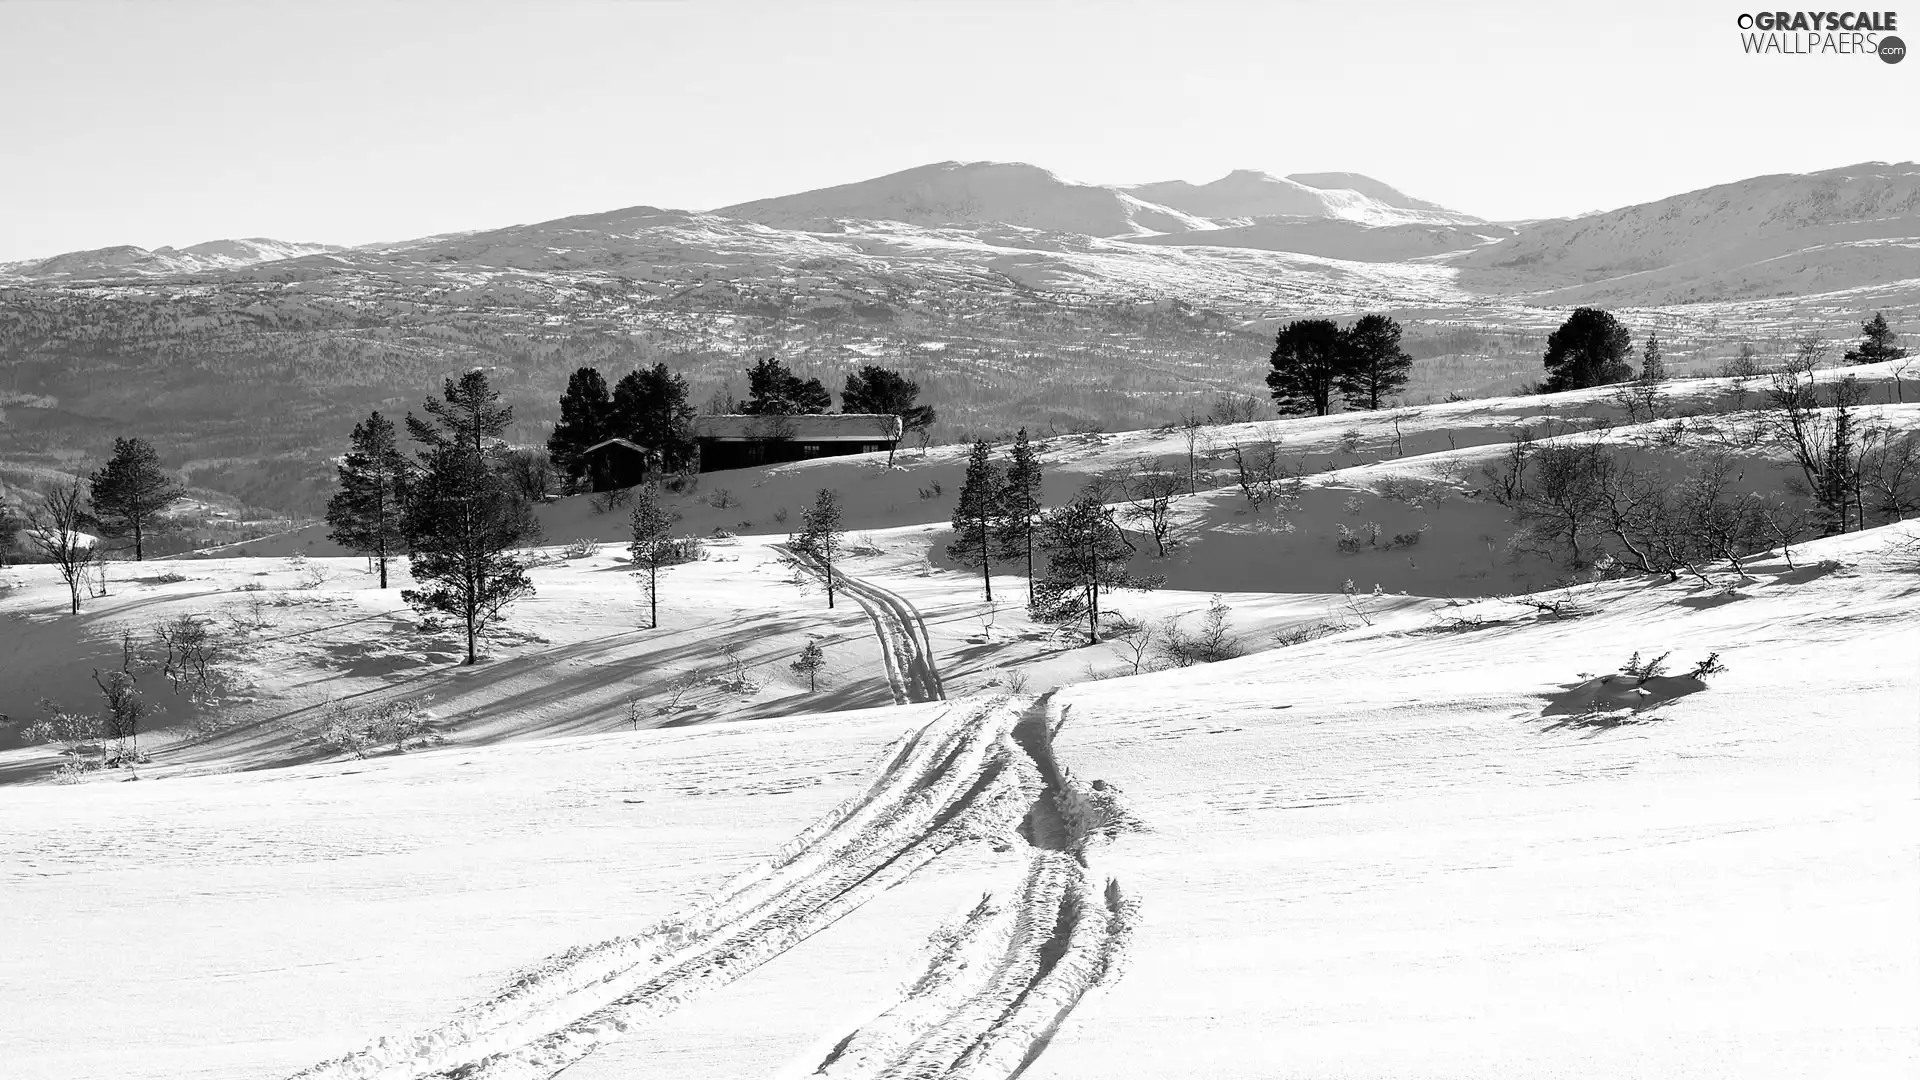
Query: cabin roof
point(823, 427)
point(634, 446)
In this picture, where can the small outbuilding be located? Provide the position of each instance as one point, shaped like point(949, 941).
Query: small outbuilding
point(617, 463)
point(741, 442)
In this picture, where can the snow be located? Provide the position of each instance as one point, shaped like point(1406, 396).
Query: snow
point(1444, 839)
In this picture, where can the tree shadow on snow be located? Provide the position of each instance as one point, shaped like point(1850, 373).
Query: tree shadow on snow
point(1615, 700)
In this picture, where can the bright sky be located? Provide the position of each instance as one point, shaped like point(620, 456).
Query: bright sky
point(174, 123)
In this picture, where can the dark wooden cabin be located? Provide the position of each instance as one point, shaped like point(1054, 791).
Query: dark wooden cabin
point(742, 442)
point(617, 463)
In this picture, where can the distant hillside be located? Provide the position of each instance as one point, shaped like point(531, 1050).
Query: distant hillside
point(970, 193)
point(1012, 296)
point(128, 260)
point(1333, 238)
point(1244, 195)
point(1784, 235)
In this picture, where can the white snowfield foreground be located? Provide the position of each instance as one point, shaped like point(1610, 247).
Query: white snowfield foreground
point(992, 995)
point(1394, 851)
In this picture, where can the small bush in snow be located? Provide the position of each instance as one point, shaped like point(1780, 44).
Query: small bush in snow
point(579, 549)
point(1301, 633)
point(361, 730)
point(1212, 642)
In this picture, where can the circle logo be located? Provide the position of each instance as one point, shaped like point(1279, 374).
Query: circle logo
point(1892, 50)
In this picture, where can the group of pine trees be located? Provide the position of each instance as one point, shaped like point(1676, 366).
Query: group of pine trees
point(1593, 347)
point(1071, 554)
point(650, 407)
point(451, 509)
point(1316, 360)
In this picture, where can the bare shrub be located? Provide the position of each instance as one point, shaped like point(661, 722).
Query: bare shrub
point(1136, 641)
point(1264, 479)
point(308, 574)
point(722, 499)
point(1419, 492)
point(1506, 481)
point(580, 549)
point(1150, 493)
point(1301, 633)
point(1234, 409)
point(1213, 641)
point(359, 730)
point(606, 502)
point(195, 658)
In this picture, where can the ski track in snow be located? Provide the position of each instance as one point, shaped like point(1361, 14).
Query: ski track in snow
point(902, 631)
point(998, 985)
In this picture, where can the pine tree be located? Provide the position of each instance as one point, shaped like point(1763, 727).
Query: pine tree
point(10, 525)
point(129, 493)
point(650, 407)
point(584, 412)
point(368, 511)
point(1020, 507)
point(470, 417)
point(820, 535)
point(811, 659)
point(1306, 363)
point(772, 390)
point(1373, 366)
point(975, 514)
point(1653, 366)
point(652, 545)
point(877, 390)
point(463, 521)
point(1087, 555)
point(1589, 349)
point(1877, 342)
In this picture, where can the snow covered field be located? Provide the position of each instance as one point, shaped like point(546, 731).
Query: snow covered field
point(1405, 848)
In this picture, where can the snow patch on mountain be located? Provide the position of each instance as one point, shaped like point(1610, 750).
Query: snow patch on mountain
point(127, 260)
point(1245, 195)
point(1766, 236)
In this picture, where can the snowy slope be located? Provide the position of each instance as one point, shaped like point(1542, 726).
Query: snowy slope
point(970, 193)
point(1247, 193)
point(1408, 847)
point(1770, 235)
point(134, 261)
point(1387, 853)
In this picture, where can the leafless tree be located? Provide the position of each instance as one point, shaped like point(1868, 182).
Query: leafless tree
point(1234, 409)
point(1565, 506)
point(1193, 429)
point(1264, 479)
point(1150, 492)
point(1136, 641)
point(54, 532)
point(1507, 479)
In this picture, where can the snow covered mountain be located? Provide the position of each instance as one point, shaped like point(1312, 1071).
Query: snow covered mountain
point(127, 260)
point(954, 193)
point(1245, 195)
point(971, 193)
point(1788, 234)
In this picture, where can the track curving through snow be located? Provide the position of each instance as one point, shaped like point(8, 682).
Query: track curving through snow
point(995, 992)
point(903, 632)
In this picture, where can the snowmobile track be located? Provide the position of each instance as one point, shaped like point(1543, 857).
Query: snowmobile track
point(902, 631)
point(959, 778)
